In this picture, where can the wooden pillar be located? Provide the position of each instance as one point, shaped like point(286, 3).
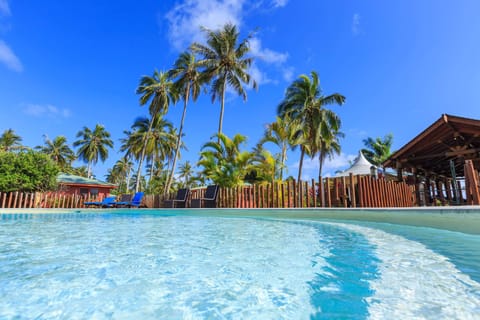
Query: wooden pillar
point(399, 171)
point(321, 191)
point(328, 195)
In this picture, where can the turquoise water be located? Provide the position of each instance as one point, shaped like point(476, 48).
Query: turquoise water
point(183, 264)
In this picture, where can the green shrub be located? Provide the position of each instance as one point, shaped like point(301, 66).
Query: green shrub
point(27, 171)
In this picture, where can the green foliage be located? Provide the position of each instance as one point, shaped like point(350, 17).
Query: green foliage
point(378, 150)
point(27, 171)
point(223, 162)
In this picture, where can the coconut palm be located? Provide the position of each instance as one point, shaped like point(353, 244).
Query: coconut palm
point(305, 103)
point(122, 171)
point(378, 150)
point(93, 145)
point(226, 63)
point(59, 151)
point(281, 133)
point(9, 140)
point(188, 83)
point(186, 173)
point(151, 139)
point(157, 90)
point(328, 148)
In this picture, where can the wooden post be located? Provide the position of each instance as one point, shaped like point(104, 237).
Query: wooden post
point(283, 195)
point(289, 199)
point(295, 198)
point(300, 194)
point(472, 184)
point(329, 196)
point(321, 191)
point(353, 200)
point(314, 194)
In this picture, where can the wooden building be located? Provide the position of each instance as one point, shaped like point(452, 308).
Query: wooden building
point(439, 158)
point(90, 188)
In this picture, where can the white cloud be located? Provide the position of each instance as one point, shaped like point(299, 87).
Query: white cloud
point(48, 110)
point(266, 55)
point(186, 18)
point(279, 3)
point(288, 74)
point(8, 58)
point(4, 8)
point(356, 24)
point(341, 161)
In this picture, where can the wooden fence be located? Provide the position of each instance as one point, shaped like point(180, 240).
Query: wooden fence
point(344, 192)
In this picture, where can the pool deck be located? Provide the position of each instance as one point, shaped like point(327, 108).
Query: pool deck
point(465, 219)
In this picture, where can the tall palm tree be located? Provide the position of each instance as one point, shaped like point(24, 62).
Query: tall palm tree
point(305, 103)
point(188, 84)
point(226, 63)
point(150, 138)
point(93, 145)
point(59, 151)
point(378, 150)
point(9, 140)
point(123, 170)
point(157, 90)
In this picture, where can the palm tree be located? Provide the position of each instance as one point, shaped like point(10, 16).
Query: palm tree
point(59, 151)
point(281, 133)
point(225, 63)
point(186, 173)
point(9, 140)
point(305, 103)
point(329, 148)
point(93, 145)
point(122, 171)
point(378, 150)
point(188, 84)
point(158, 91)
point(223, 162)
point(150, 138)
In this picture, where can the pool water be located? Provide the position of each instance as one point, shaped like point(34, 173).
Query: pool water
point(129, 264)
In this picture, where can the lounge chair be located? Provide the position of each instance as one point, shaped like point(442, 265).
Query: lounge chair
point(108, 202)
point(179, 201)
point(135, 202)
point(209, 200)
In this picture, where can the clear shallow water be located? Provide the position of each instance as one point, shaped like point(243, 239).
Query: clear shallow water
point(168, 266)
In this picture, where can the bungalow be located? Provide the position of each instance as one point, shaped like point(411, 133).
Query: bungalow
point(92, 188)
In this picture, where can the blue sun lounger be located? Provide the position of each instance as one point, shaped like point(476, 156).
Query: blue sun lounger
point(135, 202)
point(108, 202)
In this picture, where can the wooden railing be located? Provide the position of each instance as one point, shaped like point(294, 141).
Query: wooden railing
point(344, 192)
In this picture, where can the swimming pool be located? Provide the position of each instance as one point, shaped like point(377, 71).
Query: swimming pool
point(240, 264)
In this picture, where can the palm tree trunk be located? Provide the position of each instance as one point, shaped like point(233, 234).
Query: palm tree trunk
point(179, 138)
point(89, 169)
point(222, 108)
point(142, 156)
point(300, 166)
point(284, 156)
point(320, 162)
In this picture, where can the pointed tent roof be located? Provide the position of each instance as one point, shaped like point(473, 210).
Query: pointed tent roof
point(361, 166)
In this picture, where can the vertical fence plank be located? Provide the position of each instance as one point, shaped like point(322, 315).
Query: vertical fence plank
point(353, 200)
point(328, 194)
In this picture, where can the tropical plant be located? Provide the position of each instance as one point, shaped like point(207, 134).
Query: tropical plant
point(281, 133)
point(150, 139)
point(188, 83)
point(186, 173)
point(378, 150)
point(9, 141)
point(264, 166)
point(223, 162)
point(93, 145)
point(59, 151)
point(305, 104)
point(27, 172)
point(226, 63)
point(157, 90)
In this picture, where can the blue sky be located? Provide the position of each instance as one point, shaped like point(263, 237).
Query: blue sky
point(400, 64)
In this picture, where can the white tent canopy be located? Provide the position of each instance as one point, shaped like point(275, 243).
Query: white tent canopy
point(361, 166)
